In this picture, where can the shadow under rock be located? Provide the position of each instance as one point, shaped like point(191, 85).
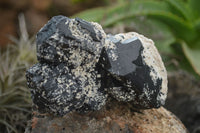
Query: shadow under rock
point(184, 99)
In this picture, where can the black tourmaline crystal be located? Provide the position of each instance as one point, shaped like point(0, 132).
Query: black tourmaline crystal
point(132, 75)
point(80, 66)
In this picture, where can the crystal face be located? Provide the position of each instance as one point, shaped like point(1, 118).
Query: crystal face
point(80, 68)
point(129, 75)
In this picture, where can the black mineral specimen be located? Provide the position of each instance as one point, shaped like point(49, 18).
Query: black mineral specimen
point(80, 66)
point(131, 77)
point(50, 93)
point(64, 79)
point(61, 37)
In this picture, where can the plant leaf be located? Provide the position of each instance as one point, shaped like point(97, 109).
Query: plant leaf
point(181, 8)
point(194, 6)
point(156, 9)
point(197, 24)
point(193, 56)
point(133, 9)
point(95, 14)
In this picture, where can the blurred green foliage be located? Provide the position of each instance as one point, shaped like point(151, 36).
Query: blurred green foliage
point(182, 18)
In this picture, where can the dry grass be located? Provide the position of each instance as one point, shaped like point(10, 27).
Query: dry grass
point(15, 101)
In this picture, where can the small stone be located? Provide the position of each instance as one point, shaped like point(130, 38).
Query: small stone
point(135, 72)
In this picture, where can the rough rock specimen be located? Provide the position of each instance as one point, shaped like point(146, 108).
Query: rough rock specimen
point(115, 118)
point(80, 67)
point(136, 71)
point(65, 79)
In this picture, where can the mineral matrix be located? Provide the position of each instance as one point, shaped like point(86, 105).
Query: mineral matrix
point(80, 67)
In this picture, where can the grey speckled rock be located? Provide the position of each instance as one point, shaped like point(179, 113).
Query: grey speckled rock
point(80, 67)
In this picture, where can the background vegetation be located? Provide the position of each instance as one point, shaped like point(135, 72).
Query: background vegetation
point(178, 19)
point(174, 25)
point(15, 101)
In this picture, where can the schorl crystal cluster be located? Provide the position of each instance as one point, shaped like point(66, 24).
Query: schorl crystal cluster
point(80, 67)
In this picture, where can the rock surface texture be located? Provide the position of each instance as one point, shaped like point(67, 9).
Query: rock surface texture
point(65, 79)
point(114, 118)
point(80, 68)
point(135, 70)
